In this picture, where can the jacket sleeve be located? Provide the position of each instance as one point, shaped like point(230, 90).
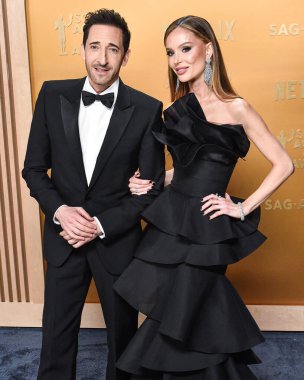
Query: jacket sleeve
point(38, 161)
point(119, 219)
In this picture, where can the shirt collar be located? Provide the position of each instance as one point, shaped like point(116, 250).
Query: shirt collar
point(113, 88)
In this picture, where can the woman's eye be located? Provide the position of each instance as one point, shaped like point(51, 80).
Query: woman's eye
point(186, 49)
point(169, 53)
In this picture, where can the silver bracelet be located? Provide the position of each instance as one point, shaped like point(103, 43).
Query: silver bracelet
point(241, 211)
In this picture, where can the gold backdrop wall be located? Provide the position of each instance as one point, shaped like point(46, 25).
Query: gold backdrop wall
point(262, 43)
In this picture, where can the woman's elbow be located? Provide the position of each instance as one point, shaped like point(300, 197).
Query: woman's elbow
point(288, 167)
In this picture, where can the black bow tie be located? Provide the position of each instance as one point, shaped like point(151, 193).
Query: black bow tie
point(106, 99)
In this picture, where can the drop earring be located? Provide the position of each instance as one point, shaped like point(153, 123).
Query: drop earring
point(208, 72)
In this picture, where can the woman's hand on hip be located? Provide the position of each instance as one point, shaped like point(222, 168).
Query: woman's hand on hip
point(220, 206)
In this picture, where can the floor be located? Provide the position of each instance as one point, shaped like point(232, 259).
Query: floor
point(282, 355)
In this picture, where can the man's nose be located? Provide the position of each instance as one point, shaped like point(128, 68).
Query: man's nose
point(102, 57)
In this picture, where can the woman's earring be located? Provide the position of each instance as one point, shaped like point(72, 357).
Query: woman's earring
point(177, 85)
point(208, 72)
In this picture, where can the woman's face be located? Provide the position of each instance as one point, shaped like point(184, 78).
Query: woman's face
point(187, 54)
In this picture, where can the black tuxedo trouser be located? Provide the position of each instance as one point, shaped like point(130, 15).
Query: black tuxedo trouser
point(66, 288)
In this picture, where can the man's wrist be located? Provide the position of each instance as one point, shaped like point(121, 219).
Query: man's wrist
point(100, 231)
point(55, 218)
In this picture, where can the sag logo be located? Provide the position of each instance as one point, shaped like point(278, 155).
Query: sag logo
point(73, 23)
point(225, 30)
point(283, 204)
point(298, 163)
point(285, 29)
point(292, 139)
point(290, 89)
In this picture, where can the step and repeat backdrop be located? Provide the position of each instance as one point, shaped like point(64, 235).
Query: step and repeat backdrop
point(262, 43)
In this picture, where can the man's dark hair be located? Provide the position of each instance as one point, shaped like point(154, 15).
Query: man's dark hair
point(107, 17)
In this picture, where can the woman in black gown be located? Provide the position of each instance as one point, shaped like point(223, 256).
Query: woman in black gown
point(197, 326)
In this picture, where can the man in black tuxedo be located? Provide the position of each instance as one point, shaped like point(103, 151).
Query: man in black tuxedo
point(93, 133)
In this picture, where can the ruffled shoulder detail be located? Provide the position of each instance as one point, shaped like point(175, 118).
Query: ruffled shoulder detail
point(187, 132)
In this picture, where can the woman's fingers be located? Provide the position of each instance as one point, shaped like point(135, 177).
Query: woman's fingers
point(216, 214)
point(219, 206)
point(139, 186)
point(210, 196)
point(139, 190)
point(227, 196)
point(209, 200)
point(141, 193)
point(212, 208)
point(138, 181)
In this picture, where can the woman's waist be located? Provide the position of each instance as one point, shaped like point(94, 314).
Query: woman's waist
point(214, 180)
point(198, 188)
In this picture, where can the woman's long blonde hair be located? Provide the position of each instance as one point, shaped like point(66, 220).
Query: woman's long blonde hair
point(220, 83)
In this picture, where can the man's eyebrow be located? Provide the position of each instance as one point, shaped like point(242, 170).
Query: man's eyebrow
point(111, 44)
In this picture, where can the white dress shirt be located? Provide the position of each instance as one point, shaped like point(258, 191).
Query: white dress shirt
point(93, 121)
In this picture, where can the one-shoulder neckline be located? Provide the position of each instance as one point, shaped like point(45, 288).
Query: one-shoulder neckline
point(197, 110)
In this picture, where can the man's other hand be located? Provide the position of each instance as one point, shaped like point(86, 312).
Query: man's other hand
point(76, 222)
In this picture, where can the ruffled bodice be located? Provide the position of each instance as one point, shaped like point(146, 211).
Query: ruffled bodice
point(204, 156)
point(188, 135)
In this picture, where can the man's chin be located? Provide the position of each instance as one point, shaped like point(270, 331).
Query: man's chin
point(103, 83)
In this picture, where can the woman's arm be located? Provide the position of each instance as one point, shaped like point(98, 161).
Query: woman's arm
point(169, 176)
point(142, 186)
point(269, 146)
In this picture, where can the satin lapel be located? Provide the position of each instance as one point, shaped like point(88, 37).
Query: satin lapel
point(69, 113)
point(120, 118)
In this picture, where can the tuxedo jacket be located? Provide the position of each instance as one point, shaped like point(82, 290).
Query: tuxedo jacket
point(54, 144)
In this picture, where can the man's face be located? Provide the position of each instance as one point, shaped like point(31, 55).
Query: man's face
point(104, 55)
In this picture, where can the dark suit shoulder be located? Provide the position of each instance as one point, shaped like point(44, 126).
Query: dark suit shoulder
point(143, 99)
point(63, 85)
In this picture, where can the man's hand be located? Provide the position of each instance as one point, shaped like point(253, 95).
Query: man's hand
point(76, 223)
point(77, 243)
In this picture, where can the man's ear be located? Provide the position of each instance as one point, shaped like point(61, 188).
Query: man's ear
point(126, 57)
